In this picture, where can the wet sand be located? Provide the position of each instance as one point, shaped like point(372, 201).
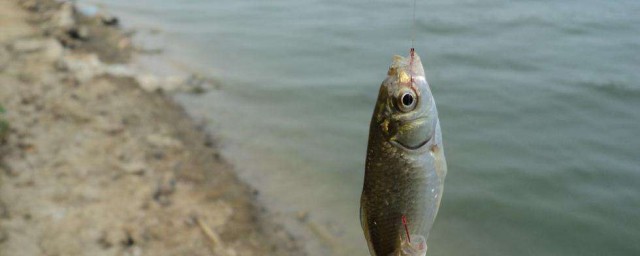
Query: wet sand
point(98, 160)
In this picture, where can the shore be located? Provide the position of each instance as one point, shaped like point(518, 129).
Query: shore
point(97, 160)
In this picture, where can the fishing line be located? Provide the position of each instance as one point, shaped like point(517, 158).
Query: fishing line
point(413, 40)
point(413, 26)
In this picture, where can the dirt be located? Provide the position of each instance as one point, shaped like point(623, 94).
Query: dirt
point(92, 164)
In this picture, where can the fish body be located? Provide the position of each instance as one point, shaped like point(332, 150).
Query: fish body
point(405, 164)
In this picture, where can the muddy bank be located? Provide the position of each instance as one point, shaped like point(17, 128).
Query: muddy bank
point(97, 161)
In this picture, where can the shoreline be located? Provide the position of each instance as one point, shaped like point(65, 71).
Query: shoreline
point(99, 161)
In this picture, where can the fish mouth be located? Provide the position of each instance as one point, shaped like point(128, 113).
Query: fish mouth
point(407, 147)
point(400, 140)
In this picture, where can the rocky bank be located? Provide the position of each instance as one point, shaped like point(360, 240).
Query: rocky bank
point(97, 160)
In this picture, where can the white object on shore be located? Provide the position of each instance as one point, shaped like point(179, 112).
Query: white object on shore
point(87, 66)
point(84, 66)
point(162, 141)
point(153, 83)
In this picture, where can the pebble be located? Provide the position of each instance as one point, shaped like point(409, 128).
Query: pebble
point(85, 67)
point(109, 20)
point(193, 83)
point(148, 82)
point(303, 216)
point(136, 168)
point(133, 251)
point(28, 45)
point(153, 83)
point(165, 188)
point(162, 141)
point(64, 18)
point(31, 5)
point(53, 50)
point(80, 33)
point(119, 70)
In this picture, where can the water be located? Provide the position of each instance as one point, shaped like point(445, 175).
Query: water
point(539, 103)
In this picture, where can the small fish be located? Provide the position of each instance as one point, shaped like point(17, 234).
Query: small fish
point(405, 166)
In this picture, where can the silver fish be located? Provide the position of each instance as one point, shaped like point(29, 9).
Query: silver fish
point(405, 167)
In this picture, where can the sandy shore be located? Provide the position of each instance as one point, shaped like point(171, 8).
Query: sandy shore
point(96, 161)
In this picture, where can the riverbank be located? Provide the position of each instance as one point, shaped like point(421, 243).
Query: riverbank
point(98, 161)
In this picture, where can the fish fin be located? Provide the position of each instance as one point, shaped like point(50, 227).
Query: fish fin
point(418, 247)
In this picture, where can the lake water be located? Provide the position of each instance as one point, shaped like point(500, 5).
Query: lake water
point(539, 103)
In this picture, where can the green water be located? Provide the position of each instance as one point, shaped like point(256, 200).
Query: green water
point(539, 103)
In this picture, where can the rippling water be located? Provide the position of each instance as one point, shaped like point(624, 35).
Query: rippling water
point(539, 103)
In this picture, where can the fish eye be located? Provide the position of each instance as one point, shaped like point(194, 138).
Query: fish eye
point(407, 101)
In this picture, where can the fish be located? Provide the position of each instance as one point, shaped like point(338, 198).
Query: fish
point(405, 163)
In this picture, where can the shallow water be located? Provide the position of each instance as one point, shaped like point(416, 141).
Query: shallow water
point(539, 103)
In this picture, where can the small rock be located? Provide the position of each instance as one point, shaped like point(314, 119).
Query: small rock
point(64, 18)
point(119, 70)
point(230, 252)
point(83, 66)
point(303, 216)
point(79, 33)
point(152, 83)
point(28, 45)
point(124, 43)
point(196, 80)
point(148, 83)
point(158, 155)
point(111, 237)
point(133, 251)
point(53, 50)
point(109, 20)
point(128, 240)
point(136, 168)
point(163, 141)
point(31, 5)
point(173, 83)
point(165, 188)
point(108, 126)
point(209, 142)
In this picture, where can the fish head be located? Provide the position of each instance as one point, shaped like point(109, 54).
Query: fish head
point(405, 110)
